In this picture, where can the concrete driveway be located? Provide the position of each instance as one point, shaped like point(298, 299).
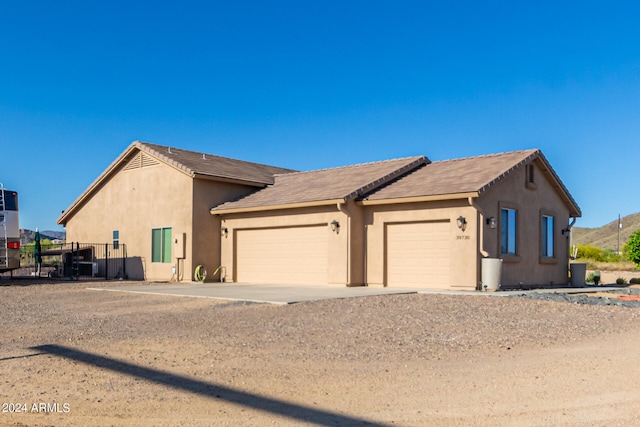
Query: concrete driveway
point(272, 294)
point(290, 294)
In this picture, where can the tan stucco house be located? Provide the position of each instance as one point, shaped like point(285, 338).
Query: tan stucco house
point(404, 223)
point(156, 200)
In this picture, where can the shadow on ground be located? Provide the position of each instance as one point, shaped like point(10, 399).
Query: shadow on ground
point(274, 406)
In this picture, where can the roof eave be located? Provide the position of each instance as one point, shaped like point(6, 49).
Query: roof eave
point(222, 211)
point(418, 199)
point(231, 180)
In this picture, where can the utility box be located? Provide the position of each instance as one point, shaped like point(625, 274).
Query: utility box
point(179, 245)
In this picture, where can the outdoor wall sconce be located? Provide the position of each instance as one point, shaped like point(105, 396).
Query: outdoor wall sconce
point(224, 231)
point(335, 226)
point(462, 223)
point(492, 222)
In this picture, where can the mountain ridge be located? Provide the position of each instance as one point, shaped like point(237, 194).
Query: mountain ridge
point(606, 237)
point(27, 236)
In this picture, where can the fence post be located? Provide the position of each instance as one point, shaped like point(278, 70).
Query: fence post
point(106, 261)
point(124, 261)
point(77, 260)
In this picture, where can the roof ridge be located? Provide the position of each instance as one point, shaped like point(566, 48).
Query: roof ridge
point(419, 157)
point(530, 150)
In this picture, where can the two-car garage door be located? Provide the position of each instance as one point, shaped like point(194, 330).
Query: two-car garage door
point(418, 254)
point(287, 255)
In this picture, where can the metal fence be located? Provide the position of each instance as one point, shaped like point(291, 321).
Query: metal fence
point(102, 261)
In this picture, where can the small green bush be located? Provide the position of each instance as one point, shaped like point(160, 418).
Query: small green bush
point(621, 281)
point(633, 248)
point(635, 281)
point(596, 254)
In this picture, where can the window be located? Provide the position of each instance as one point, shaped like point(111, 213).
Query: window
point(508, 228)
point(161, 245)
point(547, 236)
point(116, 239)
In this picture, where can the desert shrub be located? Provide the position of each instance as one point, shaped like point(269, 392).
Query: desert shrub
point(621, 281)
point(633, 248)
point(590, 252)
point(590, 278)
point(595, 253)
point(635, 281)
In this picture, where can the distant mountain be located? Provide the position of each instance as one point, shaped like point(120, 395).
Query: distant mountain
point(606, 237)
point(27, 236)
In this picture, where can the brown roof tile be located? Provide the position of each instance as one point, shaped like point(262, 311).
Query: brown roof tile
point(325, 184)
point(467, 175)
point(470, 174)
point(195, 163)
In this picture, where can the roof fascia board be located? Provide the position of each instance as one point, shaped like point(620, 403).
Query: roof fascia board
point(557, 184)
point(215, 211)
point(231, 180)
point(418, 199)
point(549, 171)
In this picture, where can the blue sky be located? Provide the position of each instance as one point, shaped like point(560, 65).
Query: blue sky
point(315, 84)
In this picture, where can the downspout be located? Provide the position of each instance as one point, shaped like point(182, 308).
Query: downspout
point(570, 235)
point(342, 208)
point(484, 253)
point(481, 237)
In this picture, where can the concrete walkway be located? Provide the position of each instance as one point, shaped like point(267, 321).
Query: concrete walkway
point(290, 294)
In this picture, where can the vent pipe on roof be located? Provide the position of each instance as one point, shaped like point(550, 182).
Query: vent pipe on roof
point(203, 157)
point(169, 150)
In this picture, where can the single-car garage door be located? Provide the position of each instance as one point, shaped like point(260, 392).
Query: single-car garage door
point(418, 254)
point(287, 255)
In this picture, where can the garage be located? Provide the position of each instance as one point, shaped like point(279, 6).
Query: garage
point(282, 255)
point(418, 254)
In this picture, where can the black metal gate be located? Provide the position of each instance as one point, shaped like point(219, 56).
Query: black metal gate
point(103, 261)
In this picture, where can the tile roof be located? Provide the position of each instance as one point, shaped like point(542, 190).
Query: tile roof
point(190, 162)
point(326, 184)
point(198, 163)
point(468, 175)
point(465, 175)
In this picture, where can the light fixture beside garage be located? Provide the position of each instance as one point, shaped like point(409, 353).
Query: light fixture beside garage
point(335, 226)
point(492, 222)
point(462, 223)
point(224, 231)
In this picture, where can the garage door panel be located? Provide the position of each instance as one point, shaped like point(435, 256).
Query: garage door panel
point(418, 254)
point(296, 255)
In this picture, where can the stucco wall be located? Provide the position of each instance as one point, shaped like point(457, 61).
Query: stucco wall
point(463, 244)
point(528, 267)
point(341, 269)
point(204, 241)
point(134, 202)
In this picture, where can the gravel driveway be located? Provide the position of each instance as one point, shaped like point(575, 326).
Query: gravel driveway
point(82, 357)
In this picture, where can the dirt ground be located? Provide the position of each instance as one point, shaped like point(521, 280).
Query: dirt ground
point(76, 357)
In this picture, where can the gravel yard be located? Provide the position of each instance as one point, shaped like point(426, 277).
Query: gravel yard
point(72, 356)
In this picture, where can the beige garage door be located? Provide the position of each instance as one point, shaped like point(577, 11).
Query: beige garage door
point(289, 255)
point(418, 254)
